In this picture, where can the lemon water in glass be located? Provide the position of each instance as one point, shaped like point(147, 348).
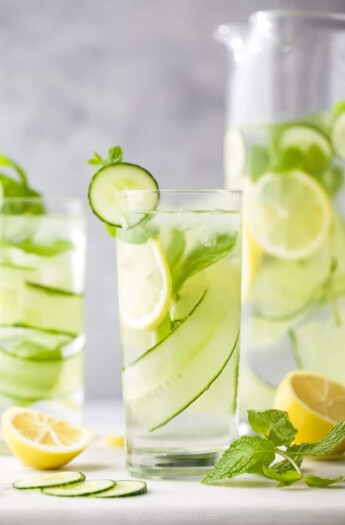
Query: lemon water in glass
point(294, 250)
point(42, 265)
point(179, 281)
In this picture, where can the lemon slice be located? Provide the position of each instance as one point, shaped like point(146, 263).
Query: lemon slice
point(290, 214)
point(144, 284)
point(252, 254)
point(41, 441)
point(315, 404)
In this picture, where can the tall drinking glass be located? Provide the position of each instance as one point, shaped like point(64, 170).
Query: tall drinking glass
point(42, 266)
point(179, 281)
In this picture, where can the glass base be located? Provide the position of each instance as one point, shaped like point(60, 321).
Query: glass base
point(159, 465)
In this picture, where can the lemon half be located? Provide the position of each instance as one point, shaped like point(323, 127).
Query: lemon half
point(41, 441)
point(315, 404)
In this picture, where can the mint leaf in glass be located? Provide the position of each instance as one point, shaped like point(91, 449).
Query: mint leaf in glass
point(200, 258)
point(57, 247)
point(275, 425)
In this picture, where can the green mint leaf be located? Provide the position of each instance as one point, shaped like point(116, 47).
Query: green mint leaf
point(201, 257)
point(45, 250)
point(6, 161)
point(338, 108)
point(284, 466)
point(138, 234)
point(324, 447)
point(258, 161)
point(332, 179)
point(114, 154)
point(275, 425)
point(284, 478)
point(316, 481)
point(245, 455)
point(96, 160)
point(12, 188)
point(174, 245)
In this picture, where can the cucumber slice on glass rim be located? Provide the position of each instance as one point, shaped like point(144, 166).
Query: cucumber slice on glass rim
point(124, 488)
point(58, 479)
point(84, 488)
point(105, 192)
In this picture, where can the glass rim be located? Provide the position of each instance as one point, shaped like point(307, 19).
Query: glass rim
point(180, 191)
point(58, 206)
point(138, 202)
point(316, 19)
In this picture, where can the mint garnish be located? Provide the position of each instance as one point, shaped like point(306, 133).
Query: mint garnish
point(256, 454)
point(113, 156)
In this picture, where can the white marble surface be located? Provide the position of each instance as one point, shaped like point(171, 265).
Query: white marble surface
point(244, 501)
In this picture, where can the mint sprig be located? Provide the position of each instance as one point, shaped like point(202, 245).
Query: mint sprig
point(113, 156)
point(257, 454)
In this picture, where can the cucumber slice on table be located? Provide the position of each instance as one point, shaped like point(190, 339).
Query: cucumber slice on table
point(196, 353)
point(338, 135)
point(58, 479)
point(106, 186)
point(124, 488)
point(84, 488)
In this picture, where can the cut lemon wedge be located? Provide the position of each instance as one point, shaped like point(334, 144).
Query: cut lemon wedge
point(41, 441)
point(144, 284)
point(290, 214)
point(315, 404)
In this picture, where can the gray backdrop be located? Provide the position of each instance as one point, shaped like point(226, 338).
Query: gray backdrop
point(79, 75)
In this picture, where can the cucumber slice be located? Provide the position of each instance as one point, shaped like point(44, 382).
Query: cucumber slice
point(283, 289)
point(106, 186)
point(12, 279)
point(318, 342)
point(29, 381)
point(338, 135)
point(170, 376)
point(84, 488)
point(124, 488)
point(48, 308)
point(58, 479)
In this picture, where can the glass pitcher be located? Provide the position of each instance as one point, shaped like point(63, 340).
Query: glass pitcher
point(285, 146)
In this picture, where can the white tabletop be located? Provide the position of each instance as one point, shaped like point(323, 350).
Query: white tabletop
point(244, 501)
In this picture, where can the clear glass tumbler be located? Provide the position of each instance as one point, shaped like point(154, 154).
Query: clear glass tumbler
point(179, 281)
point(42, 266)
